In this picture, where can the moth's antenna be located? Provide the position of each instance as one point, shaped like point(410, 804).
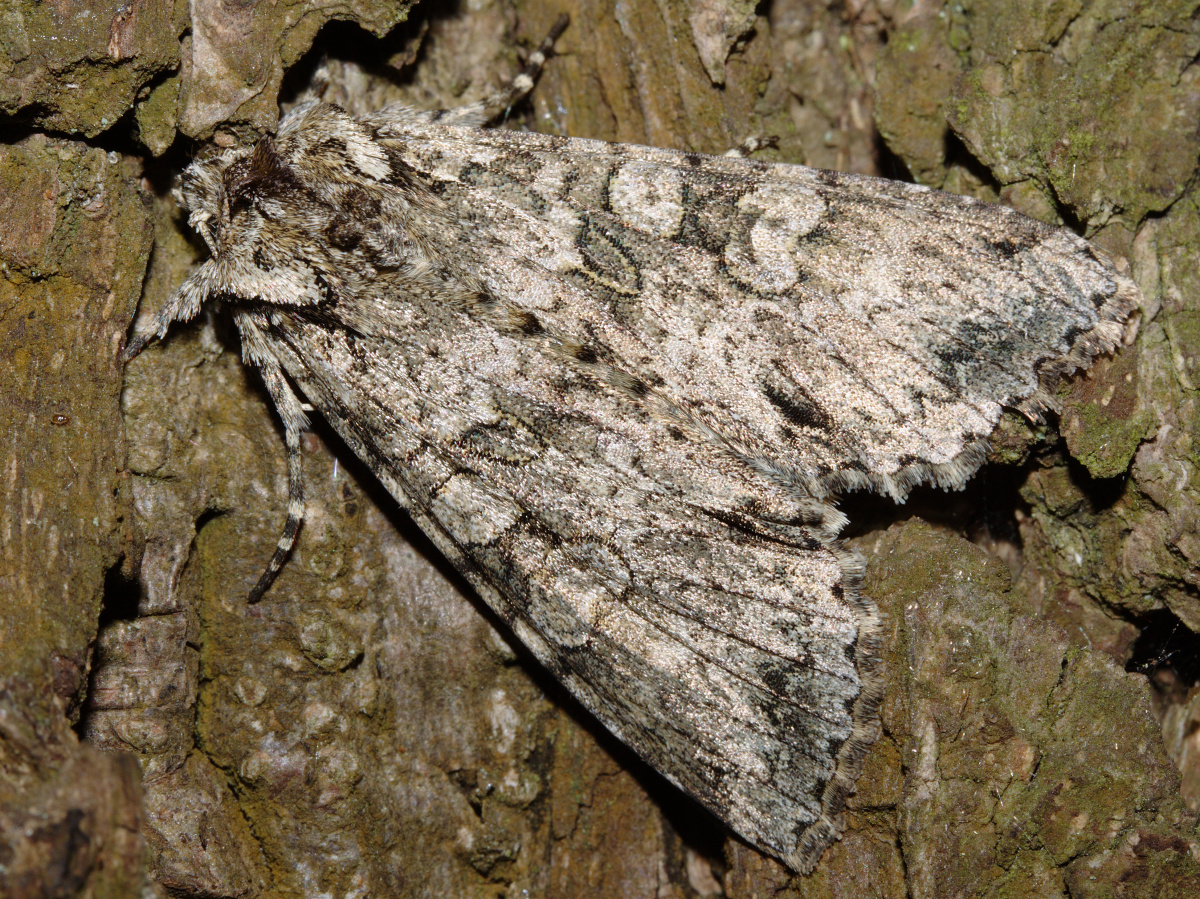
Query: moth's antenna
point(502, 101)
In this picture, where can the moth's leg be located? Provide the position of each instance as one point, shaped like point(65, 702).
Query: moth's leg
point(294, 421)
point(477, 114)
point(183, 306)
point(751, 145)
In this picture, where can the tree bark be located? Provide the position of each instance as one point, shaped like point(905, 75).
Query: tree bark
point(369, 728)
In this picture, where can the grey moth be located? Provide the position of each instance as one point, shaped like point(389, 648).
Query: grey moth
point(619, 386)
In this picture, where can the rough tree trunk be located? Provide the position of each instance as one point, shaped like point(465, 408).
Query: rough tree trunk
point(368, 729)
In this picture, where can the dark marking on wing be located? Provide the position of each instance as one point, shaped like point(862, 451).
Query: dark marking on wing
point(798, 407)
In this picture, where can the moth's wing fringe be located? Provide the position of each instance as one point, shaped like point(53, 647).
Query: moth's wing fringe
point(827, 827)
point(1104, 337)
point(952, 475)
point(830, 826)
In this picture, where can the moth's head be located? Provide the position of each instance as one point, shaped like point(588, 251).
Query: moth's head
point(300, 218)
point(322, 159)
point(232, 196)
point(199, 192)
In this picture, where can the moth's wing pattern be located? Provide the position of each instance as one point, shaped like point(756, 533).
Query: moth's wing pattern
point(735, 655)
point(849, 331)
point(614, 384)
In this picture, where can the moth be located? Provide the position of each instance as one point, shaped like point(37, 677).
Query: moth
point(619, 388)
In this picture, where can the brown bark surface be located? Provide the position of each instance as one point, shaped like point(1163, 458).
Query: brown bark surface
point(368, 730)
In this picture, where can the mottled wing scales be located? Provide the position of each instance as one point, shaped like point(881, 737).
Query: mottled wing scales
point(739, 664)
point(615, 384)
point(868, 333)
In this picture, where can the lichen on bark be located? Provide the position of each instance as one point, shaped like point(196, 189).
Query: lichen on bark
point(368, 729)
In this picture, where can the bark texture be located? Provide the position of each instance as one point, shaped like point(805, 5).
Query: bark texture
point(367, 730)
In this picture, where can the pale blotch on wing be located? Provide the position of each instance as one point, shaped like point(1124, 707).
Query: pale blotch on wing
point(648, 198)
point(592, 602)
point(778, 218)
point(367, 154)
point(471, 512)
